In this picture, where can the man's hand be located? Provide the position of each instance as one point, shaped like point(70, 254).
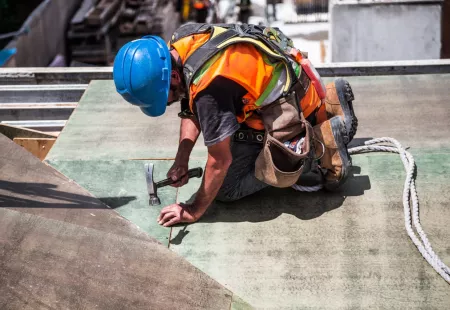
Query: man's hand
point(219, 160)
point(178, 173)
point(177, 213)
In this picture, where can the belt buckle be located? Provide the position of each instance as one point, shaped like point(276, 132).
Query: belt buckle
point(249, 136)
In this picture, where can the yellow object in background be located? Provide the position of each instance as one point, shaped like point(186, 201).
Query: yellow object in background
point(185, 10)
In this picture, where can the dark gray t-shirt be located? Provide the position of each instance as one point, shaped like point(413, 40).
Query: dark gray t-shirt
point(216, 108)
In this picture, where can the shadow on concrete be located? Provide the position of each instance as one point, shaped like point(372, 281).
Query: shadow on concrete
point(272, 202)
point(358, 142)
point(116, 202)
point(45, 195)
point(180, 236)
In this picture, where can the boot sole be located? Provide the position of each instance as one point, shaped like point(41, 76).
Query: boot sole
point(346, 97)
point(340, 136)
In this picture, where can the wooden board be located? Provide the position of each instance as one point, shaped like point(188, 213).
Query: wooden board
point(20, 132)
point(39, 147)
point(61, 248)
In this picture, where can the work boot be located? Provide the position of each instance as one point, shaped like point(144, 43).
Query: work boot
point(331, 152)
point(338, 102)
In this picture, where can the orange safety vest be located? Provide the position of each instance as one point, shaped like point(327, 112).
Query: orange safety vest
point(244, 64)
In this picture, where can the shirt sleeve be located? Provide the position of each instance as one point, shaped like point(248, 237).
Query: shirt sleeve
point(216, 109)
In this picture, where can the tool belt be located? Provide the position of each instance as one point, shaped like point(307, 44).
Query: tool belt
point(277, 165)
point(248, 136)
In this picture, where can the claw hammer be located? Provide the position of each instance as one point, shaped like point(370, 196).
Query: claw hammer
point(152, 186)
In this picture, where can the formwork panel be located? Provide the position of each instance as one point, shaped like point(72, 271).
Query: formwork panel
point(60, 247)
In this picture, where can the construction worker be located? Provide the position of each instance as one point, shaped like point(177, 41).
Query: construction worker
point(237, 84)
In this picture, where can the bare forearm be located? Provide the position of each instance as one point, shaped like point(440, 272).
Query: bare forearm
point(189, 132)
point(215, 172)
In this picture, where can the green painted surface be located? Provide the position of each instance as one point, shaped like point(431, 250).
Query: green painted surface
point(238, 304)
point(121, 184)
point(281, 249)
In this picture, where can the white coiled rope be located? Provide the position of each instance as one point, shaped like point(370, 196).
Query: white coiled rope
point(409, 196)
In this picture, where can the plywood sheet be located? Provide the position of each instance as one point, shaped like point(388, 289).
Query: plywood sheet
point(39, 147)
point(62, 248)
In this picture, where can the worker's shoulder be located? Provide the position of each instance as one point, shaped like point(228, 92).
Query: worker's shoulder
point(190, 29)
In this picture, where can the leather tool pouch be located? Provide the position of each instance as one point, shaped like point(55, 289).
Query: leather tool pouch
point(277, 165)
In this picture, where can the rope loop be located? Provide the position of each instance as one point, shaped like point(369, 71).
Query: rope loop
point(410, 200)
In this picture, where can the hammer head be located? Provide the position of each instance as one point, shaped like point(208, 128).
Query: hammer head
point(151, 186)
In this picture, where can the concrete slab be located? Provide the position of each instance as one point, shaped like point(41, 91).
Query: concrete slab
point(62, 248)
point(410, 108)
point(106, 127)
point(282, 249)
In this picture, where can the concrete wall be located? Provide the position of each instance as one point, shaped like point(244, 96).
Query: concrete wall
point(46, 37)
point(385, 31)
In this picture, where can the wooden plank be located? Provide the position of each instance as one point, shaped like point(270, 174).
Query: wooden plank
point(61, 248)
point(39, 147)
point(20, 132)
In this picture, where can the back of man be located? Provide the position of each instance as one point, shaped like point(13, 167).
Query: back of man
point(262, 77)
point(225, 96)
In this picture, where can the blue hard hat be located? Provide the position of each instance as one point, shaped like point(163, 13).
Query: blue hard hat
point(141, 73)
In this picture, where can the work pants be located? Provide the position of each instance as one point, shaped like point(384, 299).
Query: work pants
point(240, 180)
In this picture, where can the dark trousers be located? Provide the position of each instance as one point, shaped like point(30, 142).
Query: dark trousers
point(240, 180)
